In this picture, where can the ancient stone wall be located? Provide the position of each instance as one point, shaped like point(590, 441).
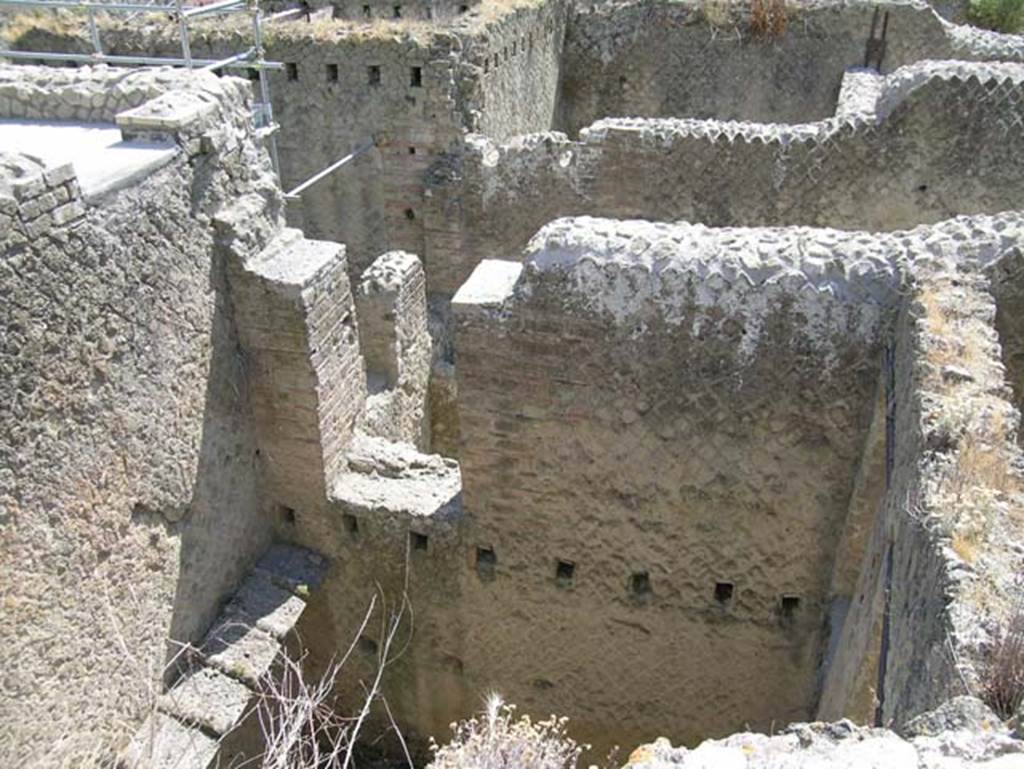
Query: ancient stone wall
point(941, 141)
point(660, 427)
point(91, 94)
point(415, 88)
point(297, 325)
point(928, 606)
point(397, 91)
point(392, 305)
point(712, 60)
point(962, 732)
point(343, 86)
point(1008, 287)
point(512, 70)
point(128, 491)
point(420, 10)
point(392, 532)
point(674, 437)
point(948, 602)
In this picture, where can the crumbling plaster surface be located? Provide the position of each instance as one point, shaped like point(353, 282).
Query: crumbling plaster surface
point(128, 494)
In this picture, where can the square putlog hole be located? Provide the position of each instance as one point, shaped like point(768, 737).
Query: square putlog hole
point(351, 524)
point(724, 592)
point(373, 75)
point(332, 73)
point(789, 606)
point(291, 70)
point(486, 563)
point(418, 541)
point(564, 572)
point(640, 583)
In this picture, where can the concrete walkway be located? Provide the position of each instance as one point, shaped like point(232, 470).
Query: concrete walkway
point(102, 160)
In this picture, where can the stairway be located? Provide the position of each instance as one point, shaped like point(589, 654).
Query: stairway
point(217, 693)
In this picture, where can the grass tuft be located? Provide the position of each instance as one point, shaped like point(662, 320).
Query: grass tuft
point(998, 15)
point(1002, 685)
point(769, 19)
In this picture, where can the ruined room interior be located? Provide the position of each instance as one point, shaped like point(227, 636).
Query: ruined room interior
point(655, 365)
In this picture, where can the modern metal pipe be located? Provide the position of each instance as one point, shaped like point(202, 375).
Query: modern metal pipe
point(330, 169)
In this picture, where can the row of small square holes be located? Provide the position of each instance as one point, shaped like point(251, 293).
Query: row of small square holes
point(504, 53)
point(524, 43)
point(373, 74)
point(396, 11)
point(639, 582)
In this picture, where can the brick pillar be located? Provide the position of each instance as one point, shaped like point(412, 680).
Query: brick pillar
point(296, 321)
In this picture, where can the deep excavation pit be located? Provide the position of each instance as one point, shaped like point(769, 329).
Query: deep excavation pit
point(681, 426)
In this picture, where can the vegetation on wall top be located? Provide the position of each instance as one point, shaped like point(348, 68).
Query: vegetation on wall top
point(998, 15)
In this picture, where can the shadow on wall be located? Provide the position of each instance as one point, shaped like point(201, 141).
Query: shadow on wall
point(225, 528)
point(1008, 288)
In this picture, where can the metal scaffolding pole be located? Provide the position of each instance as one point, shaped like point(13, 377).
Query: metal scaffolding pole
point(356, 153)
point(186, 47)
point(251, 59)
point(233, 62)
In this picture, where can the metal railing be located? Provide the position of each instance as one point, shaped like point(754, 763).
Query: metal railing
point(252, 59)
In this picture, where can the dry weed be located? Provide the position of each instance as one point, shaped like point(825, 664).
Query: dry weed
point(946, 347)
point(499, 740)
point(769, 19)
point(717, 13)
point(965, 545)
point(1002, 684)
point(980, 463)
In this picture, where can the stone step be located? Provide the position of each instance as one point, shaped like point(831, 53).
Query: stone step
point(218, 692)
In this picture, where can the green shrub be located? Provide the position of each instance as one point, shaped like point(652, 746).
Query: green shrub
point(1000, 15)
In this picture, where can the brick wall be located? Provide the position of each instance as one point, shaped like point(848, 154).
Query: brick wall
point(296, 321)
point(392, 306)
